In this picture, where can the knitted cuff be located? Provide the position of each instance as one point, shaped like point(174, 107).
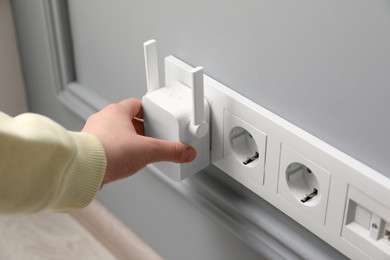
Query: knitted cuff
point(86, 175)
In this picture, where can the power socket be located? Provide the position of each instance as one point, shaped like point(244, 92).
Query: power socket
point(303, 183)
point(244, 149)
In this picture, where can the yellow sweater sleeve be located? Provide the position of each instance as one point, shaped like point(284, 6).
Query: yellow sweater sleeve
point(43, 166)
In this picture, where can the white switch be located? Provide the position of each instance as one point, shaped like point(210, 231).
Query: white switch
point(177, 112)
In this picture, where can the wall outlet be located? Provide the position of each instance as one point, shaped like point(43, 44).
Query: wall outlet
point(244, 149)
point(303, 183)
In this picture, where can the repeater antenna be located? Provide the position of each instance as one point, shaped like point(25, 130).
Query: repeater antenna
point(151, 66)
point(198, 125)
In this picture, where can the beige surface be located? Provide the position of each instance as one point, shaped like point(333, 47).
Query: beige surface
point(49, 235)
point(12, 95)
point(113, 234)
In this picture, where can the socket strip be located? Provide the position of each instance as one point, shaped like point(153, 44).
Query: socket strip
point(341, 200)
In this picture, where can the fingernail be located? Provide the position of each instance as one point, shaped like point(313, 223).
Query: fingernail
point(191, 153)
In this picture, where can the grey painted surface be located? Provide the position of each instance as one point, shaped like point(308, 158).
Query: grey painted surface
point(144, 203)
point(38, 65)
point(323, 65)
point(12, 94)
point(169, 223)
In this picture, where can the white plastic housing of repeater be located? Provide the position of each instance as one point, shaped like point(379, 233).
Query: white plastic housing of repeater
point(177, 112)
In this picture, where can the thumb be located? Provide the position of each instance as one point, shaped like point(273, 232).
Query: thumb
point(161, 150)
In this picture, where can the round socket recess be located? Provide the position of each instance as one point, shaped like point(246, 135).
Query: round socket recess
point(244, 146)
point(303, 184)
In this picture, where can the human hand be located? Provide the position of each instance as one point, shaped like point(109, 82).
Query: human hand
point(120, 128)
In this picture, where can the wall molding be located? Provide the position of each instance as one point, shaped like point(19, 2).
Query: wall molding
point(267, 230)
point(81, 100)
point(13, 96)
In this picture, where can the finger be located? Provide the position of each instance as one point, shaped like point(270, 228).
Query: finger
point(132, 106)
point(140, 113)
point(139, 126)
point(162, 150)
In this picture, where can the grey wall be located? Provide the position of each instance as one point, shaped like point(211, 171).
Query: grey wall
point(174, 227)
point(323, 65)
point(169, 223)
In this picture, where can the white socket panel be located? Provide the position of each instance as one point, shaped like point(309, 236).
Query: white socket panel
point(304, 184)
point(325, 212)
point(367, 224)
point(244, 149)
